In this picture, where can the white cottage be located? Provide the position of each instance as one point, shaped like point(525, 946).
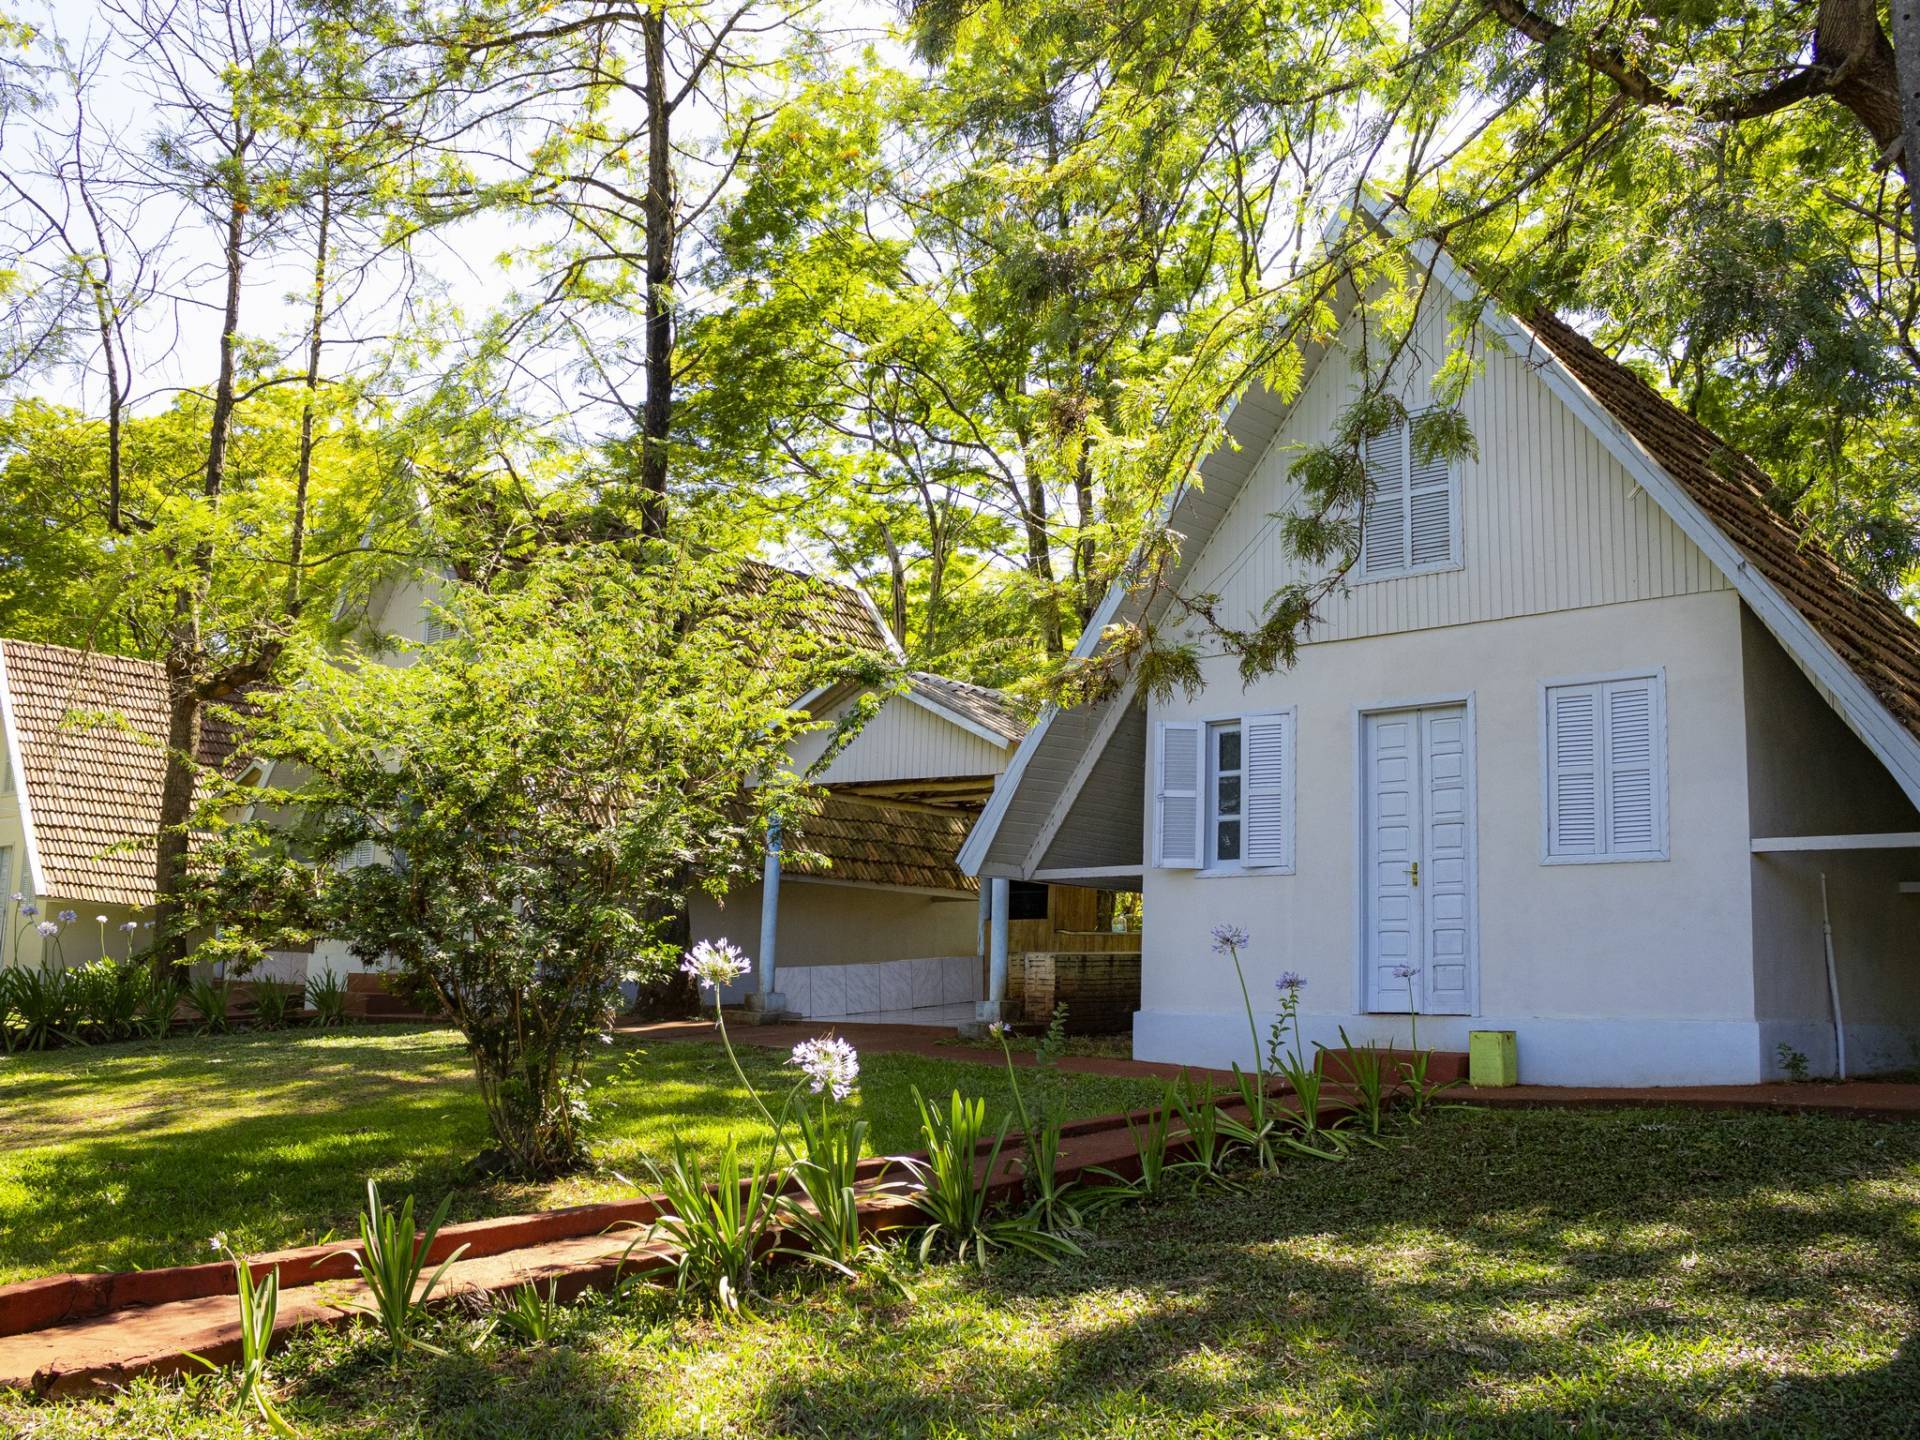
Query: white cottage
point(861, 910)
point(1593, 741)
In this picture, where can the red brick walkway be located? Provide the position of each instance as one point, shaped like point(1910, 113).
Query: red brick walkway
point(1867, 1099)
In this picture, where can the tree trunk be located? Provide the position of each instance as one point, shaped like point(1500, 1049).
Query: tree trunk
point(1033, 518)
point(897, 586)
point(303, 476)
point(658, 215)
point(186, 657)
point(176, 807)
point(1906, 55)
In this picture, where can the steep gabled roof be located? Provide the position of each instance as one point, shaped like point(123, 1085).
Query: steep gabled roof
point(87, 735)
point(844, 614)
point(1860, 650)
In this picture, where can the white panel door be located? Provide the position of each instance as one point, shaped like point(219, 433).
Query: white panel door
point(1418, 828)
point(1446, 875)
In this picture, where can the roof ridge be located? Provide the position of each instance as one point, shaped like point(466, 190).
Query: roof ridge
point(85, 654)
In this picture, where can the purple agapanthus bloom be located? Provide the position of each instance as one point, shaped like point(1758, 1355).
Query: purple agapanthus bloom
point(29, 910)
point(1229, 938)
point(829, 1064)
point(714, 963)
point(67, 917)
point(48, 928)
point(129, 926)
point(1405, 972)
point(1290, 981)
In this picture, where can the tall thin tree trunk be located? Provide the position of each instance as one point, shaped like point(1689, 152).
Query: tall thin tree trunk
point(185, 657)
point(1906, 59)
point(658, 213)
point(897, 585)
point(1033, 518)
point(303, 478)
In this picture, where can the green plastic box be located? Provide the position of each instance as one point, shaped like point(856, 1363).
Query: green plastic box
point(1493, 1058)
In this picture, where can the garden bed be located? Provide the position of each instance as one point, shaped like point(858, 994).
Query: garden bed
point(1492, 1273)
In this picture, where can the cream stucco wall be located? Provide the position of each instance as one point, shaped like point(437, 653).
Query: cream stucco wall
point(1639, 971)
point(825, 924)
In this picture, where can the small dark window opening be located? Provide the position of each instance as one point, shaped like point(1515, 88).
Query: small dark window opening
point(1026, 900)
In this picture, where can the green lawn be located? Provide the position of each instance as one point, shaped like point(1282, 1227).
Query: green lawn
point(1521, 1273)
point(130, 1156)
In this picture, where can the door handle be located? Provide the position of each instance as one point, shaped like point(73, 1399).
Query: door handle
point(1413, 874)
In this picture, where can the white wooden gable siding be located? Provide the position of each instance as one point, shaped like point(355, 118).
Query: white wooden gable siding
point(1549, 520)
point(905, 741)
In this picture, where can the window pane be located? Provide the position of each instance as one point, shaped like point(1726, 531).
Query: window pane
point(1230, 749)
point(1228, 845)
point(1229, 794)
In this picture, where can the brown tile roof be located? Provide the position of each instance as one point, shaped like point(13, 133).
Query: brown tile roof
point(882, 844)
point(1865, 628)
point(840, 612)
point(990, 708)
point(92, 735)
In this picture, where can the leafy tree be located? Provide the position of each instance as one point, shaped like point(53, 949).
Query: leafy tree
point(200, 534)
point(538, 790)
point(1717, 192)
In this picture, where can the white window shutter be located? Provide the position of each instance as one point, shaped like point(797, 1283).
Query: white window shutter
point(1384, 544)
point(1633, 798)
point(1176, 805)
point(1432, 501)
point(1573, 770)
point(358, 858)
point(1267, 797)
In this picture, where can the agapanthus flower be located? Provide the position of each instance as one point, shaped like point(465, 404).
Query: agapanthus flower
point(101, 919)
point(829, 1064)
point(48, 928)
point(715, 963)
point(67, 917)
point(29, 910)
point(18, 897)
point(129, 926)
point(218, 1242)
point(1290, 981)
point(1404, 971)
point(998, 1029)
point(1228, 938)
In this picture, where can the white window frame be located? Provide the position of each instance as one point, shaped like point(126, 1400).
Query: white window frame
point(1210, 813)
point(1657, 677)
point(1455, 560)
point(1210, 726)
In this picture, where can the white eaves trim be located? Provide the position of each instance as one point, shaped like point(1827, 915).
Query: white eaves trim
point(1891, 742)
point(37, 881)
point(973, 853)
